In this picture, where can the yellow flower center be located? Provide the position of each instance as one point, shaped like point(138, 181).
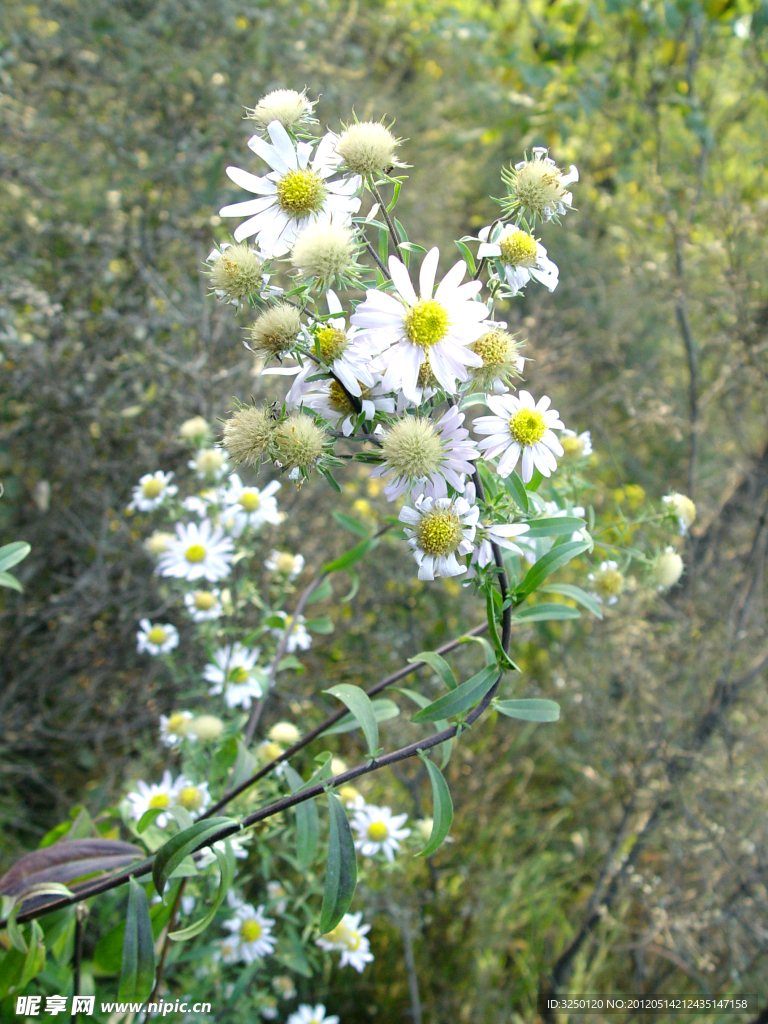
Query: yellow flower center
point(331, 342)
point(157, 635)
point(285, 562)
point(178, 725)
point(191, 798)
point(250, 930)
point(160, 800)
point(250, 501)
point(352, 940)
point(377, 831)
point(609, 583)
point(426, 323)
point(204, 600)
point(572, 446)
point(518, 248)
point(300, 193)
point(238, 675)
point(339, 398)
point(537, 186)
point(527, 426)
point(439, 532)
point(152, 488)
point(195, 553)
point(493, 348)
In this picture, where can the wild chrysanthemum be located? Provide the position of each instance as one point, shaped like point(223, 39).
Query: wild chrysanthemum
point(175, 728)
point(206, 727)
point(284, 732)
point(608, 582)
point(300, 442)
point(283, 562)
point(348, 937)
point(197, 552)
point(575, 446)
point(251, 935)
point(194, 429)
point(275, 331)
point(209, 462)
point(249, 435)
point(502, 534)
point(235, 272)
point(160, 795)
point(499, 351)
point(193, 797)
point(667, 569)
point(284, 105)
point(416, 450)
point(439, 529)
point(249, 506)
point(537, 187)
point(306, 1014)
point(521, 255)
point(331, 401)
point(430, 328)
point(293, 194)
point(298, 637)
point(234, 673)
point(524, 427)
point(367, 147)
point(325, 252)
point(681, 506)
point(203, 605)
point(158, 542)
point(156, 639)
point(379, 830)
point(152, 490)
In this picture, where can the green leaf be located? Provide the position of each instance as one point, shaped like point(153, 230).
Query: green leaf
point(172, 853)
point(545, 613)
point(442, 808)
point(244, 766)
point(14, 932)
point(529, 710)
point(353, 555)
point(535, 482)
point(226, 861)
point(359, 703)
point(383, 709)
point(549, 563)
point(469, 259)
point(354, 588)
point(7, 579)
point(34, 961)
point(351, 524)
point(460, 699)
point(516, 488)
point(307, 822)
point(576, 594)
point(439, 665)
point(322, 625)
point(491, 612)
point(320, 593)
point(438, 725)
point(12, 554)
point(554, 526)
point(341, 870)
point(490, 654)
point(148, 818)
point(323, 772)
point(138, 967)
point(330, 478)
point(108, 953)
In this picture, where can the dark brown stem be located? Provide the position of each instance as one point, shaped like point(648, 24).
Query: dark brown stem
point(81, 913)
point(388, 219)
point(377, 258)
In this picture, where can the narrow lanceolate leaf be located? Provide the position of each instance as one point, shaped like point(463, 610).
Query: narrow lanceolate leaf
point(359, 703)
point(468, 257)
point(532, 710)
point(549, 563)
point(555, 526)
point(545, 612)
point(341, 871)
point(460, 699)
point(307, 822)
point(576, 594)
point(438, 725)
point(439, 665)
point(12, 554)
point(66, 860)
point(172, 853)
point(383, 709)
point(138, 968)
point(490, 656)
point(353, 555)
point(226, 861)
point(7, 579)
point(516, 488)
point(351, 524)
point(442, 808)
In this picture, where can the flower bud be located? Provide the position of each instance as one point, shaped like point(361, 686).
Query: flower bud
point(275, 331)
point(324, 251)
point(158, 542)
point(300, 442)
point(268, 751)
point(680, 505)
point(209, 461)
point(284, 732)
point(667, 569)
point(367, 147)
point(249, 435)
point(206, 727)
point(236, 271)
point(192, 430)
point(284, 105)
point(338, 767)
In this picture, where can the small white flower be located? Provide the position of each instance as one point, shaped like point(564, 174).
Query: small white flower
point(235, 674)
point(538, 186)
point(608, 581)
point(161, 794)
point(667, 569)
point(175, 728)
point(193, 797)
point(535, 548)
point(576, 446)
point(330, 400)
point(379, 830)
point(311, 1015)
point(249, 506)
point(285, 563)
point(251, 935)
point(201, 503)
point(522, 256)
point(299, 639)
point(498, 533)
point(439, 529)
point(197, 552)
point(152, 490)
point(348, 937)
point(209, 462)
point(156, 639)
point(293, 193)
point(520, 426)
point(433, 329)
point(680, 505)
point(203, 605)
point(278, 895)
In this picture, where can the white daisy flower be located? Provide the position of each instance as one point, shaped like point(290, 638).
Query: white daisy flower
point(439, 529)
point(249, 506)
point(379, 830)
point(348, 937)
point(200, 504)
point(329, 399)
point(156, 639)
point(680, 505)
point(347, 352)
point(576, 446)
point(538, 186)
point(197, 552)
point(278, 894)
point(522, 256)
point(204, 605)
point(293, 194)
point(311, 1015)
point(520, 427)
point(152, 490)
point(209, 462)
point(285, 563)
point(235, 674)
point(434, 329)
point(497, 533)
point(299, 639)
point(158, 794)
point(417, 450)
point(608, 582)
point(207, 857)
point(251, 936)
point(175, 728)
point(193, 797)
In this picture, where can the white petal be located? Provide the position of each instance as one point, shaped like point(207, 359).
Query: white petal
point(281, 140)
point(451, 282)
point(251, 182)
point(401, 280)
point(427, 273)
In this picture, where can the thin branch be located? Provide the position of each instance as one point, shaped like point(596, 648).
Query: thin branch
point(388, 219)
